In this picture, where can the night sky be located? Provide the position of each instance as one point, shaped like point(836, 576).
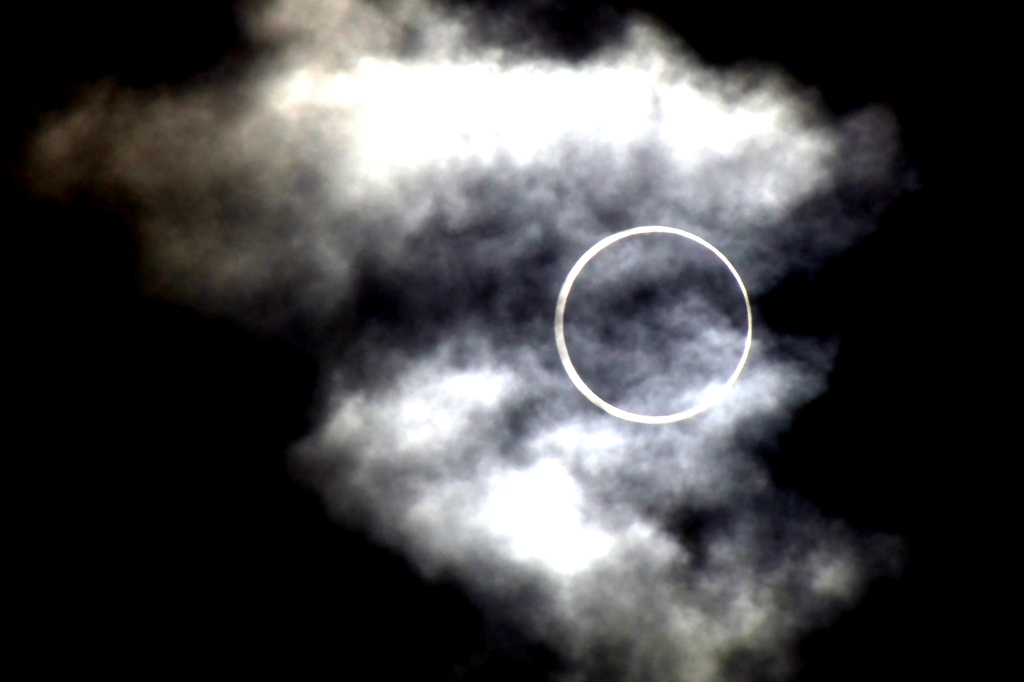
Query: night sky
point(216, 465)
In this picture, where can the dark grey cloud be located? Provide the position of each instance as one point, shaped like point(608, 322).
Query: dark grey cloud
point(417, 203)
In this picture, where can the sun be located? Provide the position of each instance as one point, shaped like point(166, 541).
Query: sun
point(710, 397)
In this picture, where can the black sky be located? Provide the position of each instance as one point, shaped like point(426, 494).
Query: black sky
point(154, 530)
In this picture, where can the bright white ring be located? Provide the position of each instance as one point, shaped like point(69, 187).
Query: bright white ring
point(563, 351)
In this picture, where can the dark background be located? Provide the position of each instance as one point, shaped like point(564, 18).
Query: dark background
point(152, 530)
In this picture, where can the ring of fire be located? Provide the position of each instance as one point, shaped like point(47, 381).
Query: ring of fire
point(563, 351)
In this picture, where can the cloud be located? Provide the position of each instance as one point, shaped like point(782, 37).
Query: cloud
point(412, 197)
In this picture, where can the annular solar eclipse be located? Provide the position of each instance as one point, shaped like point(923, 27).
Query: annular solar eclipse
point(563, 351)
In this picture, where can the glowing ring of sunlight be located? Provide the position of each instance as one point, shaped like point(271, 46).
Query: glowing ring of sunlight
point(563, 351)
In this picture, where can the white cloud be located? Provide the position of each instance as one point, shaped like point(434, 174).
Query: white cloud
point(538, 512)
point(418, 210)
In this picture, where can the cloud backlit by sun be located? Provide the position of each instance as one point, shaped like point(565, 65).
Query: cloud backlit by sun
point(407, 210)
